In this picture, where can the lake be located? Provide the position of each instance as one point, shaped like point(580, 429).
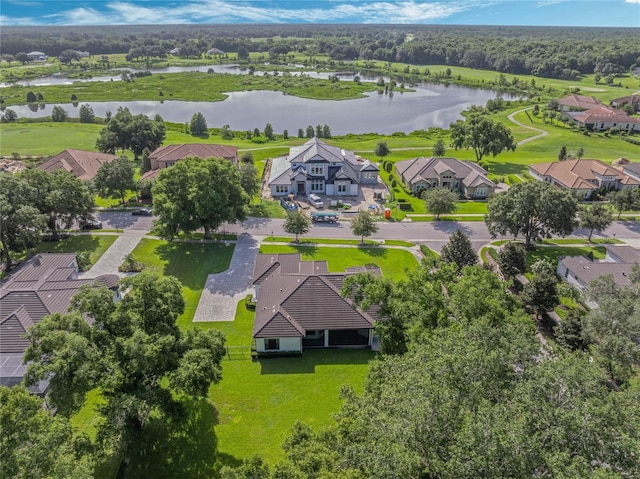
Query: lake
point(431, 105)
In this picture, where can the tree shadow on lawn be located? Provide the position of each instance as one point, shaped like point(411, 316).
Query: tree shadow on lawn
point(183, 447)
point(192, 262)
point(311, 358)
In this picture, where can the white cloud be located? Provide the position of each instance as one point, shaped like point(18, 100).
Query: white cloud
point(228, 11)
point(633, 1)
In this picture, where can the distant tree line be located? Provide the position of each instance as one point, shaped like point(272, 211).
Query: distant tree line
point(541, 51)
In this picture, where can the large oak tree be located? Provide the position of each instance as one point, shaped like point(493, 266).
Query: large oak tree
point(481, 134)
point(534, 210)
point(133, 351)
point(197, 193)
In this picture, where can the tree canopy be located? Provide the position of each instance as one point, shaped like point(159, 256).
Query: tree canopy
point(535, 209)
point(297, 223)
point(34, 443)
point(363, 225)
point(459, 251)
point(197, 193)
point(596, 217)
point(439, 201)
point(133, 351)
point(115, 178)
point(481, 134)
point(125, 131)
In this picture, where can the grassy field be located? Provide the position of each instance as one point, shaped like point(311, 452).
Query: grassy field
point(254, 407)
point(95, 244)
point(553, 253)
point(191, 86)
point(189, 262)
point(392, 262)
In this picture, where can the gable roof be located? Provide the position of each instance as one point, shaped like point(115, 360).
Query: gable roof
point(576, 174)
point(297, 296)
point(41, 286)
point(199, 150)
point(317, 150)
point(83, 164)
point(630, 99)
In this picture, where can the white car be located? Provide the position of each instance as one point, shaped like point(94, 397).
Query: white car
point(316, 201)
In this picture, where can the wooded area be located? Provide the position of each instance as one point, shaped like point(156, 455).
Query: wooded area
point(542, 51)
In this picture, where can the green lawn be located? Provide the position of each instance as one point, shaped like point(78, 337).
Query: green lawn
point(552, 253)
point(46, 139)
point(392, 262)
point(189, 262)
point(95, 244)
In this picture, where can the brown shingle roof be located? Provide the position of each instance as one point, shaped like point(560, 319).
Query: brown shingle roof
point(199, 150)
point(83, 164)
point(291, 303)
point(41, 286)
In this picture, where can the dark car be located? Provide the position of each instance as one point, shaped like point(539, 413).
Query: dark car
point(90, 223)
point(142, 212)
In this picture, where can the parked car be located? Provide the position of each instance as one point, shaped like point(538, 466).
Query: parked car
point(90, 223)
point(316, 201)
point(142, 212)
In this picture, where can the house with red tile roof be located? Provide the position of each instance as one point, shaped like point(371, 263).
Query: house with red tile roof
point(575, 102)
point(633, 100)
point(83, 164)
point(167, 156)
point(582, 177)
point(299, 305)
point(41, 286)
point(604, 118)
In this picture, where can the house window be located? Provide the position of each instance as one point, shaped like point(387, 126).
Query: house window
point(317, 185)
point(369, 175)
point(272, 344)
point(282, 188)
point(317, 170)
point(342, 188)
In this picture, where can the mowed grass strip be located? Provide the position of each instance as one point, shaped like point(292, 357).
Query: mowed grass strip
point(553, 253)
point(95, 244)
point(188, 262)
point(392, 262)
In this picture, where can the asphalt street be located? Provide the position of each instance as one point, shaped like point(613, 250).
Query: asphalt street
point(434, 233)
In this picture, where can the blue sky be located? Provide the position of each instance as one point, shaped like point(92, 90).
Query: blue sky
point(603, 13)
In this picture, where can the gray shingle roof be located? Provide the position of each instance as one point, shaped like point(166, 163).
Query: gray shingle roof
point(428, 169)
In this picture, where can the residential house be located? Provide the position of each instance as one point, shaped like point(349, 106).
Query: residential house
point(41, 286)
point(465, 177)
point(215, 51)
point(83, 164)
point(166, 156)
point(299, 305)
point(316, 167)
point(631, 170)
point(575, 102)
point(633, 100)
point(580, 271)
point(604, 118)
point(37, 56)
point(582, 177)
point(175, 51)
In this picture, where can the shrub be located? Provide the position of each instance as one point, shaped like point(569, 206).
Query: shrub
point(259, 139)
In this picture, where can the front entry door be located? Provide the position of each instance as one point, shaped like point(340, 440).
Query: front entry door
point(301, 187)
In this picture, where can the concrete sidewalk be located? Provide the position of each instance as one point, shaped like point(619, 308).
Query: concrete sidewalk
point(223, 291)
point(114, 256)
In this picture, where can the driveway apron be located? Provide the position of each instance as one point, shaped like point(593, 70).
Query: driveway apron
point(223, 291)
point(114, 256)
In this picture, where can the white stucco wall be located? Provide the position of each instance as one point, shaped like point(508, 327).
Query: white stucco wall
point(286, 344)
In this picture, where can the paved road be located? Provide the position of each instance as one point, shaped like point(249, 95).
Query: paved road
point(434, 233)
point(541, 133)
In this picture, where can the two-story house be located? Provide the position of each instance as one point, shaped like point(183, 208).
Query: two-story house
point(316, 167)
